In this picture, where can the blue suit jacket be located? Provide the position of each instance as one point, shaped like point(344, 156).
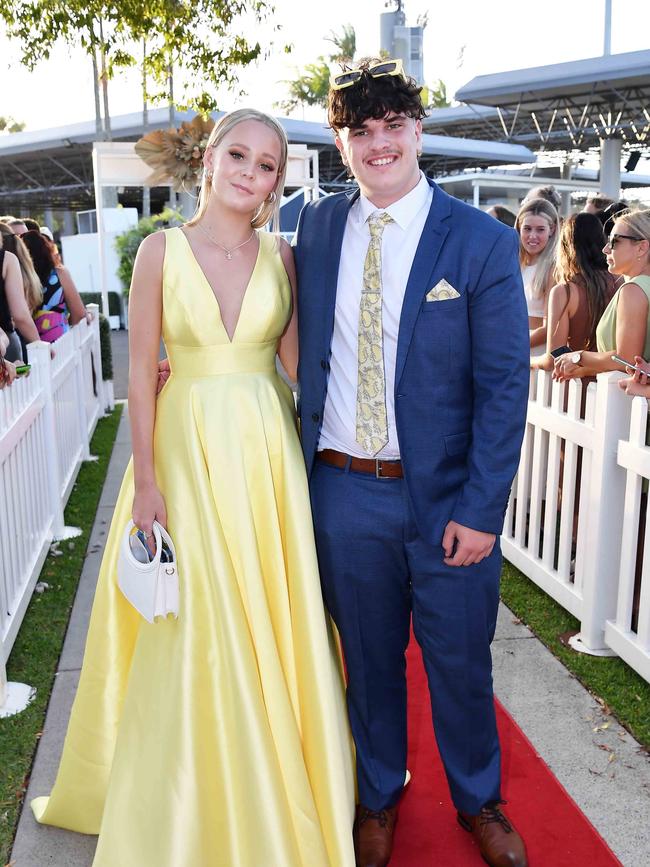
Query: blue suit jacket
point(461, 382)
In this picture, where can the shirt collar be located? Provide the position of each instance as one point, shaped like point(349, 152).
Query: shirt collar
point(404, 210)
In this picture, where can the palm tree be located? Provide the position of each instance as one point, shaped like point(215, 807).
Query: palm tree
point(345, 42)
point(8, 124)
point(312, 84)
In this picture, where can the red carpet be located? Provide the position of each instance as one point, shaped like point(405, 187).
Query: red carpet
point(556, 832)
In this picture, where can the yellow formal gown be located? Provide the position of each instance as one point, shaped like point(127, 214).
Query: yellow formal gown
point(219, 739)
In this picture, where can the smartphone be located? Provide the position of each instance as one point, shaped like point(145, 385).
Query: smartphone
point(561, 350)
point(629, 364)
point(22, 369)
point(165, 552)
point(139, 547)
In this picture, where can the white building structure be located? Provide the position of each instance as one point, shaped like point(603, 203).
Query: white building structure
point(398, 40)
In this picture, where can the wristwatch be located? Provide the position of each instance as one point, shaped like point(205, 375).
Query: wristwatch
point(575, 357)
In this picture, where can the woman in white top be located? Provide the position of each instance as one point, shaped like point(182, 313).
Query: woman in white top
point(537, 225)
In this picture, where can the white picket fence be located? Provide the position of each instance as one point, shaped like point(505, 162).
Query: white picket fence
point(572, 523)
point(46, 422)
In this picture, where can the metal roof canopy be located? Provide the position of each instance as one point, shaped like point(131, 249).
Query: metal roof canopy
point(570, 106)
point(53, 168)
point(510, 185)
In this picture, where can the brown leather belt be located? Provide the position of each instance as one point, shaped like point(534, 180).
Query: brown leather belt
point(375, 466)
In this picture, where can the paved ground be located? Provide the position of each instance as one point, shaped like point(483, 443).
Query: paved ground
point(563, 721)
point(120, 347)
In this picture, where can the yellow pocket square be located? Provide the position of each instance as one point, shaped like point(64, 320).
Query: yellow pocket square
point(442, 291)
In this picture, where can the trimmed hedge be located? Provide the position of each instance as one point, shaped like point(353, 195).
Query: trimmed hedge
point(114, 301)
point(106, 349)
point(128, 242)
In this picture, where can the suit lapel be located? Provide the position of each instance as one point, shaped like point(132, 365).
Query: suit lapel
point(432, 238)
point(332, 250)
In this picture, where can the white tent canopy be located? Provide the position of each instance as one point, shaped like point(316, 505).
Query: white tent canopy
point(116, 164)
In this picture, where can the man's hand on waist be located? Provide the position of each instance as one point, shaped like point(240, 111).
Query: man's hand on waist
point(164, 372)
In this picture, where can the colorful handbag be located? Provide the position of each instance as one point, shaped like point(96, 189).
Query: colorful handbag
point(51, 324)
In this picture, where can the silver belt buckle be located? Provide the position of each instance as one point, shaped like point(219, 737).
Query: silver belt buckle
point(378, 467)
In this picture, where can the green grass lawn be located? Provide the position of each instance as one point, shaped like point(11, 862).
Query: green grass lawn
point(38, 646)
point(35, 654)
point(623, 691)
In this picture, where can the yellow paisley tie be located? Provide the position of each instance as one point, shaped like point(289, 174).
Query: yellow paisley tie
point(372, 422)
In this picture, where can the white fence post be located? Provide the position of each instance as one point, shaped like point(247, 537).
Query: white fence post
point(633, 645)
point(14, 697)
point(60, 531)
point(102, 387)
point(604, 519)
point(81, 391)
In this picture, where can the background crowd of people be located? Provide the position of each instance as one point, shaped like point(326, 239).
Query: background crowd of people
point(38, 298)
point(587, 285)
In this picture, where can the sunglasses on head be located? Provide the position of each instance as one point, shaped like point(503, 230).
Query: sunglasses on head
point(377, 70)
point(613, 240)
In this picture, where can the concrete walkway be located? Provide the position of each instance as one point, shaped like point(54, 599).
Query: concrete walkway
point(603, 768)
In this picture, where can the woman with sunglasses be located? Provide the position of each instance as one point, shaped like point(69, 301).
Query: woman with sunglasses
point(584, 290)
point(623, 328)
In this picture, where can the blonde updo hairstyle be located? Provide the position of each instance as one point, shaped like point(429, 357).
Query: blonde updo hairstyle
point(269, 211)
point(637, 222)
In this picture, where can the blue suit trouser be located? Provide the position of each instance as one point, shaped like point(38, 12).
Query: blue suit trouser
point(377, 570)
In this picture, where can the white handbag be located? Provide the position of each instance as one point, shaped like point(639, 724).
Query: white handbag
point(151, 587)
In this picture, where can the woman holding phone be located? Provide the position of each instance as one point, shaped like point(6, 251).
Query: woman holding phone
point(219, 739)
point(7, 369)
point(623, 328)
point(15, 315)
point(585, 288)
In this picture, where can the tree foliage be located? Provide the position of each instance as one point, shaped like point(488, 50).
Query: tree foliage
point(436, 96)
point(312, 84)
point(127, 242)
point(8, 124)
point(198, 37)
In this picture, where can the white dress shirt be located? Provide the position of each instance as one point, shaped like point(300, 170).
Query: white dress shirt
point(535, 305)
point(399, 243)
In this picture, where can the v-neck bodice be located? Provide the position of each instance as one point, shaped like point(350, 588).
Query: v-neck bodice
point(192, 327)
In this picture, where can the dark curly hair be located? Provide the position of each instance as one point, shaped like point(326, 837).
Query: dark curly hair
point(373, 98)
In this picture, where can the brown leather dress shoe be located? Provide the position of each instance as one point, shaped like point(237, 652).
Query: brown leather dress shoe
point(499, 844)
point(373, 836)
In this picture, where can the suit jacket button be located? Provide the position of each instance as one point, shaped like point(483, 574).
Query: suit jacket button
point(314, 416)
point(323, 364)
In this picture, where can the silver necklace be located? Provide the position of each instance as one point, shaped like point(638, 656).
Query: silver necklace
point(226, 250)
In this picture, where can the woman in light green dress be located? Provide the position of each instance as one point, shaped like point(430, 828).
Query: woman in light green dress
point(624, 327)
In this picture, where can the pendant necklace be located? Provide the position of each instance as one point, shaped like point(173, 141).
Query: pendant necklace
point(227, 251)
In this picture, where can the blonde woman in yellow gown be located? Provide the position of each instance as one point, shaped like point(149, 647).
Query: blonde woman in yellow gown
point(219, 739)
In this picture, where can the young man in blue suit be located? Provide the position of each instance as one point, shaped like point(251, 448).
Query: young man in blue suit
point(413, 388)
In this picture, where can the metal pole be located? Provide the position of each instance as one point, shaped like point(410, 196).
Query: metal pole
point(607, 47)
point(610, 167)
point(101, 237)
